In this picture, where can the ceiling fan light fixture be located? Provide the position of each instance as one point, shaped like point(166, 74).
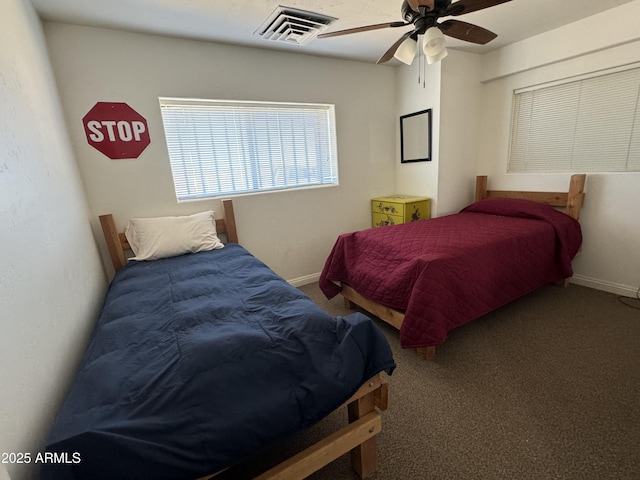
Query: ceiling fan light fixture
point(433, 42)
point(436, 58)
point(434, 45)
point(406, 52)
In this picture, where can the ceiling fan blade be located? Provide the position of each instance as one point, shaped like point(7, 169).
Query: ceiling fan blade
point(377, 26)
point(416, 4)
point(388, 55)
point(467, 6)
point(467, 32)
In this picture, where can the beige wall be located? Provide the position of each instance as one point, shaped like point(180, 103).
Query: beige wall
point(419, 178)
point(51, 279)
point(452, 90)
point(292, 232)
point(459, 130)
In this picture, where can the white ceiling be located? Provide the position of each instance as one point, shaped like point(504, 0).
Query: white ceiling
point(235, 21)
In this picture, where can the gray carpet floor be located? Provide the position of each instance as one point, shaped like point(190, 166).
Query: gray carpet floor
point(547, 387)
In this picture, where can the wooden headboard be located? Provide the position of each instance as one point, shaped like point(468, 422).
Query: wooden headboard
point(571, 201)
point(117, 242)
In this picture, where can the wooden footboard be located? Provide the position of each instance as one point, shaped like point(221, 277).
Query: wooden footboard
point(358, 437)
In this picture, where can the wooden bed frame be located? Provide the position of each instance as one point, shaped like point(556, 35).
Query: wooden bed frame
point(571, 202)
point(358, 437)
point(363, 409)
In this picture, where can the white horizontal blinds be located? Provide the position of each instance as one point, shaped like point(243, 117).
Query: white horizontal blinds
point(546, 124)
point(520, 128)
point(633, 159)
point(606, 123)
point(587, 125)
point(223, 148)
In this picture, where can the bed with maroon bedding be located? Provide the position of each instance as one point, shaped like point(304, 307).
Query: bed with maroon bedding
point(435, 275)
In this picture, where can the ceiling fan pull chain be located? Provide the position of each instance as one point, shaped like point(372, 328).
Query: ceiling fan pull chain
point(424, 73)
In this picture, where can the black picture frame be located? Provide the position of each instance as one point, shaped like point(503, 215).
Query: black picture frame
point(415, 137)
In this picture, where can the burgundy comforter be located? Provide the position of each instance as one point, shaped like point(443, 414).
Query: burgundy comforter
point(446, 271)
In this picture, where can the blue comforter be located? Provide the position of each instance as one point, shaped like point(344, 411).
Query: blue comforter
point(200, 360)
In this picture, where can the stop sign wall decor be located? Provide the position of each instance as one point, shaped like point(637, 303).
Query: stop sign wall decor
point(116, 130)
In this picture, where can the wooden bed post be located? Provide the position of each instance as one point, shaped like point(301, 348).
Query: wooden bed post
point(575, 197)
point(114, 244)
point(364, 458)
point(229, 221)
point(481, 188)
point(426, 353)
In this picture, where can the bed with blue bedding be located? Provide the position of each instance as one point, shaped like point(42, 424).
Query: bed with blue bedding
point(201, 360)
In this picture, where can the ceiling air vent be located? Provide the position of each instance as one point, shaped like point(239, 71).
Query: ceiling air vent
point(292, 25)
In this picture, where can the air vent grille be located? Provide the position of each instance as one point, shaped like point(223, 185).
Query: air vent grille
point(292, 25)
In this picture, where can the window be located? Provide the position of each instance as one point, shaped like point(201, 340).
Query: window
point(590, 124)
point(220, 147)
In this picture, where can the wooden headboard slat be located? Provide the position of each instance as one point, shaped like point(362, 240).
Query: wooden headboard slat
point(571, 201)
point(124, 242)
point(117, 242)
point(555, 199)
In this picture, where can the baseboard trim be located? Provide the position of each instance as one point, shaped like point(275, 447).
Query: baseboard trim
point(618, 289)
point(306, 280)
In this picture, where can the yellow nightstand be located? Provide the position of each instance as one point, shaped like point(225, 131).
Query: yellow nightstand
point(398, 209)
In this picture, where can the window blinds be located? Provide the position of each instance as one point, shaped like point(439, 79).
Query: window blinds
point(586, 125)
point(228, 147)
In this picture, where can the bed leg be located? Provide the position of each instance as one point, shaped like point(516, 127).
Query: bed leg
point(426, 353)
point(349, 304)
point(364, 458)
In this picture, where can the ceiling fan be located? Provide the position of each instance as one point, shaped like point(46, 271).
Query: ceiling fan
point(424, 15)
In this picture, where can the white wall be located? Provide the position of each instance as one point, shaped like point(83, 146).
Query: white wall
point(419, 178)
point(609, 259)
point(452, 90)
point(460, 100)
point(614, 27)
point(292, 232)
point(51, 278)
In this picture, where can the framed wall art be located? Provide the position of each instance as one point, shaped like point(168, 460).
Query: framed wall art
point(415, 137)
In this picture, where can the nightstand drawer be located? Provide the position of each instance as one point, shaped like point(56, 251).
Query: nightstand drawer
point(399, 209)
point(382, 219)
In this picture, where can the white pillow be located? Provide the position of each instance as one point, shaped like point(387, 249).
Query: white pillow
point(161, 237)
